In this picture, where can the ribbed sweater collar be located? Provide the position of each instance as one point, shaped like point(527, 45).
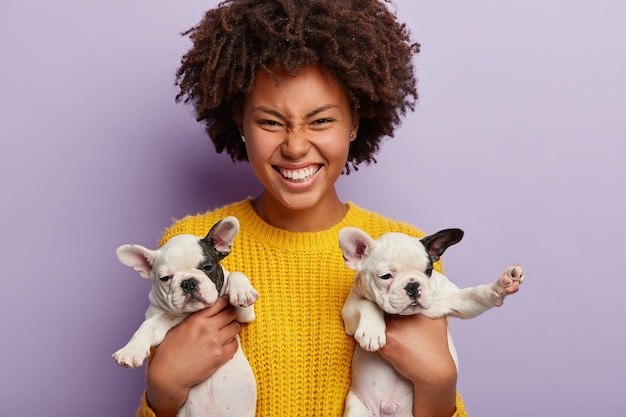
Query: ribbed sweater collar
point(256, 228)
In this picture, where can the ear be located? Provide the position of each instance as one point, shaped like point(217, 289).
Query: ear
point(437, 244)
point(137, 257)
point(222, 234)
point(355, 127)
point(355, 245)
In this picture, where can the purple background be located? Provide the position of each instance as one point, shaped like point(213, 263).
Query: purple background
point(519, 138)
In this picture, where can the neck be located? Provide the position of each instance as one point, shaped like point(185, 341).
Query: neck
point(321, 216)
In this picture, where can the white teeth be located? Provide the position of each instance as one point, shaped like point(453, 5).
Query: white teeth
point(299, 175)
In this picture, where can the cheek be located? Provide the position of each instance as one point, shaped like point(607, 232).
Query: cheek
point(260, 148)
point(166, 287)
point(334, 148)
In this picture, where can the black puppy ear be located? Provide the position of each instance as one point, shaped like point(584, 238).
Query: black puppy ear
point(437, 243)
point(222, 234)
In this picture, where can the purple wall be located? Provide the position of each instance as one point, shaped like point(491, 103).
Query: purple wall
point(519, 138)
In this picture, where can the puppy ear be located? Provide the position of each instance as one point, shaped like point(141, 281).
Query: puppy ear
point(355, 245)
point(222, 234)
point(137, 257)
point(437, 243)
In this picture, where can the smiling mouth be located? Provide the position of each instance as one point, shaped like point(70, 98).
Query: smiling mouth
point(299, 175)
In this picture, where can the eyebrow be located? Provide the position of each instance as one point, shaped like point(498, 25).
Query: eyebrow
point(285, 118)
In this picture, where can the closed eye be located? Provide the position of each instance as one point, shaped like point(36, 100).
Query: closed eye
point(166, 278)
point(321, 124)
point(322, 121)
point(269, 124)
point(385, 277)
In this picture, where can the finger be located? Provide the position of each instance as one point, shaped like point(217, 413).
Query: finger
point(223, 318)
point(229, 332)
point(230, 348)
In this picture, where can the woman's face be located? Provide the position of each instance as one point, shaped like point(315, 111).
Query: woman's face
point(297, 135)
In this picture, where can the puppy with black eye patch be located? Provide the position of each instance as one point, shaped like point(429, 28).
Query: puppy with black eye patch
point(187, 276)
point(395, 276)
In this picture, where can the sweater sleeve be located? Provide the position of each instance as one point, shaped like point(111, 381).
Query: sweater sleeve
point(144, 409)
point(460, 407)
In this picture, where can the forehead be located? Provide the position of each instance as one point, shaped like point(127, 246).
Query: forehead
point(312, 87)
point(181, 253)
point(401, 251)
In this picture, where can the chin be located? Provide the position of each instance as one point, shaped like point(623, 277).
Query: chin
point(300, 201)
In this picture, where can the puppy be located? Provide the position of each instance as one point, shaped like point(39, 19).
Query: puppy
point(186, 277)
point(395, 276)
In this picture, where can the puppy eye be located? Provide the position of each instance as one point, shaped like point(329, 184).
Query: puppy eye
point(385, 277)
point(428, 272)
point(166, 278)
point(208, 268)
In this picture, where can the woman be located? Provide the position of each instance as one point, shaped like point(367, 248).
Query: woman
point(303, 90)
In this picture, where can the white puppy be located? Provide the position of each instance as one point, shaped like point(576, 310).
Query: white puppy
point(395, 276)
point(186, 277)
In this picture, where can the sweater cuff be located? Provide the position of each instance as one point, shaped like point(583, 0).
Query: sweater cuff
point(144, 409)
point(460, 407)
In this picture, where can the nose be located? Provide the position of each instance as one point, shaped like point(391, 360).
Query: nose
point(295, 143)
point(189, 285)
point(413, 290)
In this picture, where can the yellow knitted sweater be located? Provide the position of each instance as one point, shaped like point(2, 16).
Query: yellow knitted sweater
point(297, 346)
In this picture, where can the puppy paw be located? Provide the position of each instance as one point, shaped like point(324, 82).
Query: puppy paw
point(370, 336)
point(243, 297)
point(508, 283)
point(130, 356)
point(240, 291)
point(245, 314)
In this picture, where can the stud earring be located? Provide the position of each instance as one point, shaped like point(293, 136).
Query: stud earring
point(243, 139)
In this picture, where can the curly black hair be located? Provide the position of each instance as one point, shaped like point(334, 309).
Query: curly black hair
point(360, 42)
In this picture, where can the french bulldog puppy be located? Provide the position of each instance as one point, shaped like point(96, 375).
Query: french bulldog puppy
point(395, 276)
point(186, 277)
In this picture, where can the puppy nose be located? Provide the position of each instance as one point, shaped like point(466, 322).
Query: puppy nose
point(189, 285)
point(413, 289)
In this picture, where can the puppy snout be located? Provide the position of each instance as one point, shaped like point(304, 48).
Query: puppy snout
point(189, 285)
point(413, 290)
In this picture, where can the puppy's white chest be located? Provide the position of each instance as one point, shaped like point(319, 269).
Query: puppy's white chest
point(381, 389)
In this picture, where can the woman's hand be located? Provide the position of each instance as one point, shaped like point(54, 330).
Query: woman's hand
point(190, 353)
point(417, 347)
